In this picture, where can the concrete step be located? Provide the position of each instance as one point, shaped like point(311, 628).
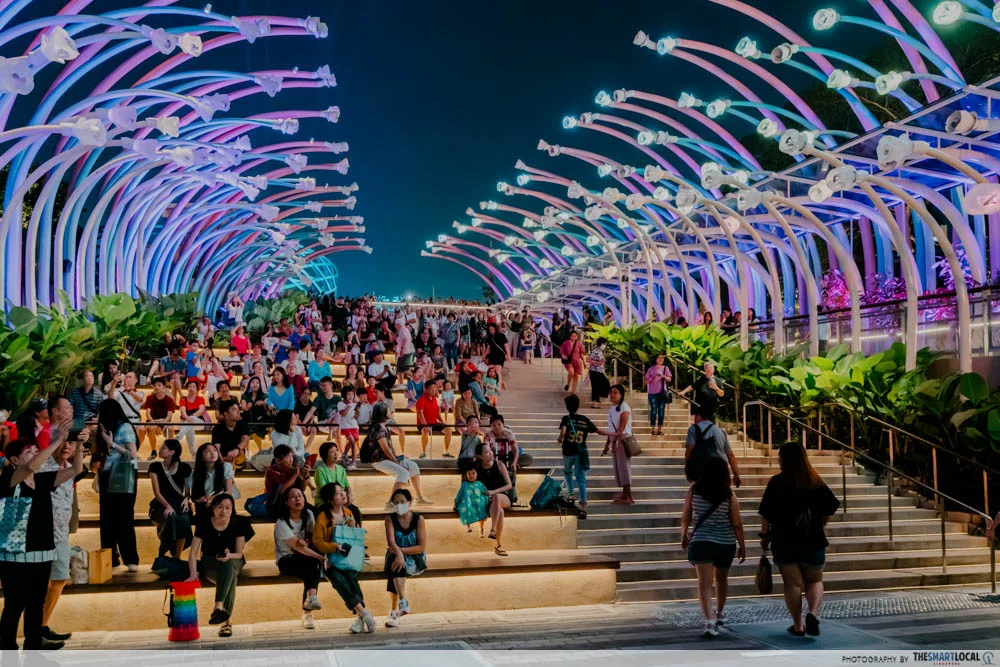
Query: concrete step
point(637, 517)
point(680, 569)
point(588, 536)
point(672, 551)
point(865, 580)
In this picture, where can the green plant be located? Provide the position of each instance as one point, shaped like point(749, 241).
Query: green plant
point(262, 311)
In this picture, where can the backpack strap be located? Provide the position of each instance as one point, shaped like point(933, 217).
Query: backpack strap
point(704, 516)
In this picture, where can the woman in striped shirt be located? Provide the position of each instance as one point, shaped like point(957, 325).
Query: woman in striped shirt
point(711, 528)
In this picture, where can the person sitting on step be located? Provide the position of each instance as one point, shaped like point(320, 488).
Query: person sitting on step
point(493, 474)
point(293, 553)
point(220, 539)
point(334, 511)
point(406, 552)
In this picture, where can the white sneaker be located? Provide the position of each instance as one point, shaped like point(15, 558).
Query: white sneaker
point(307, 621)
point(358, 626)
point(393, 620)
point(720, 618)
point(312, 604)
point(369, 620)
point(711, 630)
point(404, 606)
point(132, 567)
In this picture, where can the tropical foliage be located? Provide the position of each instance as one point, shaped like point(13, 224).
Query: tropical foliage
point(42, 353)
point(262, 311)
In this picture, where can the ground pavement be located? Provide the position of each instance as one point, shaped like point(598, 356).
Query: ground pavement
point(935, 619)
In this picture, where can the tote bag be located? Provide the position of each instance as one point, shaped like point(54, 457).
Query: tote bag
point(355, 559)
point(14, 512)
point(122, 477)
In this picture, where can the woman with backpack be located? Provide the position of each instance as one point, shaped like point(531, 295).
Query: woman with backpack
point(711, 528)
point(377, 449)
point(795, 507)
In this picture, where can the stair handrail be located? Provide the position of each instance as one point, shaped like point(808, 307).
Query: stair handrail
point(935, 446)
point(693, 368)
point(617, 358)
point(891, 470)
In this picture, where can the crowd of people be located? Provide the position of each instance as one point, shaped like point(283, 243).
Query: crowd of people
point(264, 404)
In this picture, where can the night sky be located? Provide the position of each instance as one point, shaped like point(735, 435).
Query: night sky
point(439, 100)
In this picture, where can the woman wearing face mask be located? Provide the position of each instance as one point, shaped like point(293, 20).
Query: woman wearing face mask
point(406, 541)
point(599, 385)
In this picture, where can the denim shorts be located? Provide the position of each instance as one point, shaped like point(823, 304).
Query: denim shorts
point(795, 555)
point(719, 555)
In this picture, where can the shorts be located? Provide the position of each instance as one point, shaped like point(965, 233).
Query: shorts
point(435, 428)
point(350, 433)
point(60, 566)
point(719, 555)
point(574, 367)
point(795, 555)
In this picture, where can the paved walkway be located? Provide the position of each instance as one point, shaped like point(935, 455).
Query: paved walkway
point(942, 619)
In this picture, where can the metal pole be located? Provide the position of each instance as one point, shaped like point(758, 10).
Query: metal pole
point(993, 566)
point(770, 438)
point(889, 482)
point(986, 495)
point(843, 476)
point(819, 437)
point(788, 429)
point(745, 430)
point(940, 508)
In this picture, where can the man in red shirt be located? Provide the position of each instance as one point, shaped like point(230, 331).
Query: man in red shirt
point(429, 420)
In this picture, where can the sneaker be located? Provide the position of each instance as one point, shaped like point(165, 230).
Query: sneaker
point(369, 621)
point(720, 618)
point(307, 621)
point(351, 467)
point(132, 567)
point(404, 606)
point(711, 630)
point(393, 620)
point(48, 633)
point(358, 626)
point(312, 603)
point(424, 501)
point(48, 645)
point(423, 455)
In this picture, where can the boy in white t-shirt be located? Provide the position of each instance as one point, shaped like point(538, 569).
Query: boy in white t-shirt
point(348, 411)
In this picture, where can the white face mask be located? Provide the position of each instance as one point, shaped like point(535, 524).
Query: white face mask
point(402, 508)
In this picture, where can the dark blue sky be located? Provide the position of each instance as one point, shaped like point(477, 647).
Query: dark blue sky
point(439, 99)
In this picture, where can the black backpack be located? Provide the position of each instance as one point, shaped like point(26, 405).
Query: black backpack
point(699, 454)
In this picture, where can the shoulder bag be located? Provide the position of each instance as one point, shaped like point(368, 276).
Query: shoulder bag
point(122, 477)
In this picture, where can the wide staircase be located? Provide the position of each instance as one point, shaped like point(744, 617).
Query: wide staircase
point(646, 538)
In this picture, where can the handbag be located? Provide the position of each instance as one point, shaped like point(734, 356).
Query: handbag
point(355, 558)
point(631, 445)
point(763, 579)
point(546, 494)
point(416, 565)
point(122, 477)
point(14, 512)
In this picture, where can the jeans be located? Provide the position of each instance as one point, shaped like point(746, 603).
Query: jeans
point(225, 575)
point(345, 582)
point(569, 464)
point(304, 568)
point(657, 406)
point(451, 354)
point(24, 589)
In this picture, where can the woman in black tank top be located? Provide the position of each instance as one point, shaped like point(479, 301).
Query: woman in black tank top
point(494, 476)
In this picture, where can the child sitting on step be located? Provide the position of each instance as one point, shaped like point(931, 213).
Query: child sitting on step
point(472, 502)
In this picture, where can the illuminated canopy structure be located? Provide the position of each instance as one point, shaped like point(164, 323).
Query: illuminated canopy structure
point(140, 178)
point(682, 216)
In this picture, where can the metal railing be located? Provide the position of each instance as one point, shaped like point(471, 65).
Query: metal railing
point(890, 469)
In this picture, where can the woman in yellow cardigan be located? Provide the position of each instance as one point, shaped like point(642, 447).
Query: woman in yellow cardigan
point(334, 512)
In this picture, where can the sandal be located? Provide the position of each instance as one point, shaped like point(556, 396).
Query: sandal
point(499, 551)
point(493, 534)
point(226, 630)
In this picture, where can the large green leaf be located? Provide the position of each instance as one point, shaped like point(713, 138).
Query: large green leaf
point(973, 387)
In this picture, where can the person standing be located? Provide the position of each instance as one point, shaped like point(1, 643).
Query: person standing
point(26, 557)
point(599, 385)
point(573, 431)
point(117, 446)
point(711, 528)
point(657, 381)
point(571, 352)
point(619, 428)
point(794, 510)
point(707, 392)
point(86, 399)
